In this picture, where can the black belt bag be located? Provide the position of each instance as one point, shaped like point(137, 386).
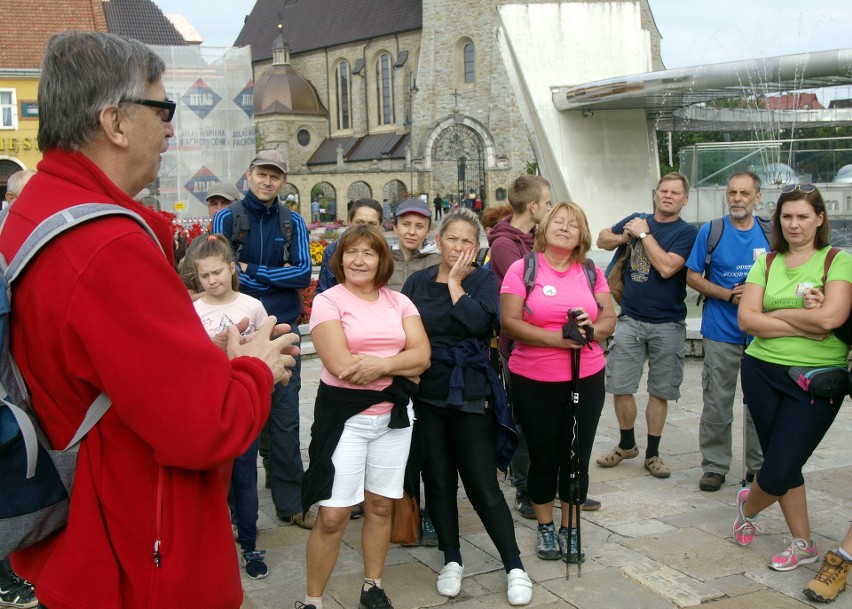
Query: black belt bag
point(830, 383)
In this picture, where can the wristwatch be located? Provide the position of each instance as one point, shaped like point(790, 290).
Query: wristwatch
point(643, 235)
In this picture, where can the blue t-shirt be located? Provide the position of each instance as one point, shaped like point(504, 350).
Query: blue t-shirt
point(732, 259)
point(648, 296)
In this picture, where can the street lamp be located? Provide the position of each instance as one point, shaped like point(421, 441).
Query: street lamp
point(412, 89)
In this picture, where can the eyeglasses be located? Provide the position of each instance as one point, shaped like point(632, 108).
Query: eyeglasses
point(167, 107)
point(805, 189)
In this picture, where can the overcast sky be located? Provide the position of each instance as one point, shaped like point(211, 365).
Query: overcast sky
point(694, 31)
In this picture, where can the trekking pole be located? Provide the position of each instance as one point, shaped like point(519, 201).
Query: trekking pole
point(744, 481)
point(574, 466)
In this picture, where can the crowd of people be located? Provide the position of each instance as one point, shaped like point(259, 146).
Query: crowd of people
point(409, 393)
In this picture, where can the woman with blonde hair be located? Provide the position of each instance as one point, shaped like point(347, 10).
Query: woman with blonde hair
point(565, 311)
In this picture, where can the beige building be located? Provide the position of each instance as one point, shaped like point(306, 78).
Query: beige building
point(379, 99)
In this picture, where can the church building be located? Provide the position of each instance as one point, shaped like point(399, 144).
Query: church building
point(382, 99)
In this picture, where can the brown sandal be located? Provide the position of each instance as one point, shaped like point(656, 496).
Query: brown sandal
point(616, 456)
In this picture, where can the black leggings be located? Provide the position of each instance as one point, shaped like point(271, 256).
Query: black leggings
point(544, 411)
point(461, 444)
point(789, 423)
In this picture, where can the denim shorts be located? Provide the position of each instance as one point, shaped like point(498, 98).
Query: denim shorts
point(663, 345)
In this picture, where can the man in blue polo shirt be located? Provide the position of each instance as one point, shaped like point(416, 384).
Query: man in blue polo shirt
point(721, 283)
point(651, 325)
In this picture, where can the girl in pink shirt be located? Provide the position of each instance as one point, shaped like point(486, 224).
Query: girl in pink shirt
point(220, 306)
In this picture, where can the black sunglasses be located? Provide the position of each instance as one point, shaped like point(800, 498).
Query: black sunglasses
point(805, 189)
point(167, 107)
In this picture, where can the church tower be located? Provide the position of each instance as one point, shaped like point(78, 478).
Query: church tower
point(467, 129)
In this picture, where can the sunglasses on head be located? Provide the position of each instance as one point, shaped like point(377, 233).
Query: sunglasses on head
point(805, 189)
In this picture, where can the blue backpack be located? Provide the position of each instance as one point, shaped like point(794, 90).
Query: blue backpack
point(35, 479)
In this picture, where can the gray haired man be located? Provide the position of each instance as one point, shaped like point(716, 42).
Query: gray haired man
point(101, 309)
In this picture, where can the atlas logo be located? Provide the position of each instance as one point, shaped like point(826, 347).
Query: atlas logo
point(200, 183)
point(201, 99)
point(245, 99)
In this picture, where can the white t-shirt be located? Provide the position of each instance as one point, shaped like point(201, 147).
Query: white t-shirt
point(215, 318)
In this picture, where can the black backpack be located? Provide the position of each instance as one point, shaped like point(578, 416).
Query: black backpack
point(241, 227)
point(717, 228)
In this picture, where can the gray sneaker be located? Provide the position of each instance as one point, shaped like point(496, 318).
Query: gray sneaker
point(546, 545)
point(568, 546)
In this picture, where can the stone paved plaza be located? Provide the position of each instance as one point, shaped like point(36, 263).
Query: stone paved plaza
point(654, 544)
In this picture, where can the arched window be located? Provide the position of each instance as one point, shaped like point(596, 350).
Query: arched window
point(469, 63)
point(384, 90)
point(343, 93)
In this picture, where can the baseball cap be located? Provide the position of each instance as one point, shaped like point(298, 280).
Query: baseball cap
point(226, 191)
point(271, 158)
point(413, 206)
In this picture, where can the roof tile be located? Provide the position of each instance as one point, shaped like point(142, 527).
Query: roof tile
point(316, 24)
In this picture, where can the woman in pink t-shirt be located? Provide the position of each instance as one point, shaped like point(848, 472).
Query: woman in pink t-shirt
point(540, 368)
point(372, 345)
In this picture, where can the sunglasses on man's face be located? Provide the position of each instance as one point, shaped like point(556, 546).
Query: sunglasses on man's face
point(805, 189)
point(167, 107)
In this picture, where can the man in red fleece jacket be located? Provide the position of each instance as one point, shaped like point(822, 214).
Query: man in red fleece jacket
point(101, 308)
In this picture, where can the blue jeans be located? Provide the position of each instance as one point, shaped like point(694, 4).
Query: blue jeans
point(244, 488)
point(285, 458)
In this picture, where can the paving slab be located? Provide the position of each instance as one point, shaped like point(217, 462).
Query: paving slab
point(606, 588)
point(697, 554)
point(768, 599)
point(679, 588)
point(654, 543)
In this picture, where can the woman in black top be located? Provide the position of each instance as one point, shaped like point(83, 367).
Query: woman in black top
point(460, 408)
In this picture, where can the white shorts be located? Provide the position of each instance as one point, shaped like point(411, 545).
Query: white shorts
point(369, 456)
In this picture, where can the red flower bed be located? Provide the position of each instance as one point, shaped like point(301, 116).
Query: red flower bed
point(308, 294)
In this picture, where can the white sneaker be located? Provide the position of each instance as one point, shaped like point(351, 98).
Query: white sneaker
point(519, 591)
point(450, 579)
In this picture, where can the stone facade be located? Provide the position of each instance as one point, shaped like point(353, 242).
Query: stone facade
point(447, 116)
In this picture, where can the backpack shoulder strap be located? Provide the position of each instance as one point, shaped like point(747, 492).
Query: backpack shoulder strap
point(591, 273)
point(285, 221)
point(717, 227)
point(769, 258)
point(240, 225)
point(481, 255)
point(829, 258)
point(30, 435)
point(530, 272)
point(766, 227)
point(62, 221)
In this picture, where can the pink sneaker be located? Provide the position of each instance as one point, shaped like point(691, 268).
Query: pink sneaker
point(795, 554)
point(744, 528)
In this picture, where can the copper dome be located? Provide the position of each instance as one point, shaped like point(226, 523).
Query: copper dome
point(282, 91)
